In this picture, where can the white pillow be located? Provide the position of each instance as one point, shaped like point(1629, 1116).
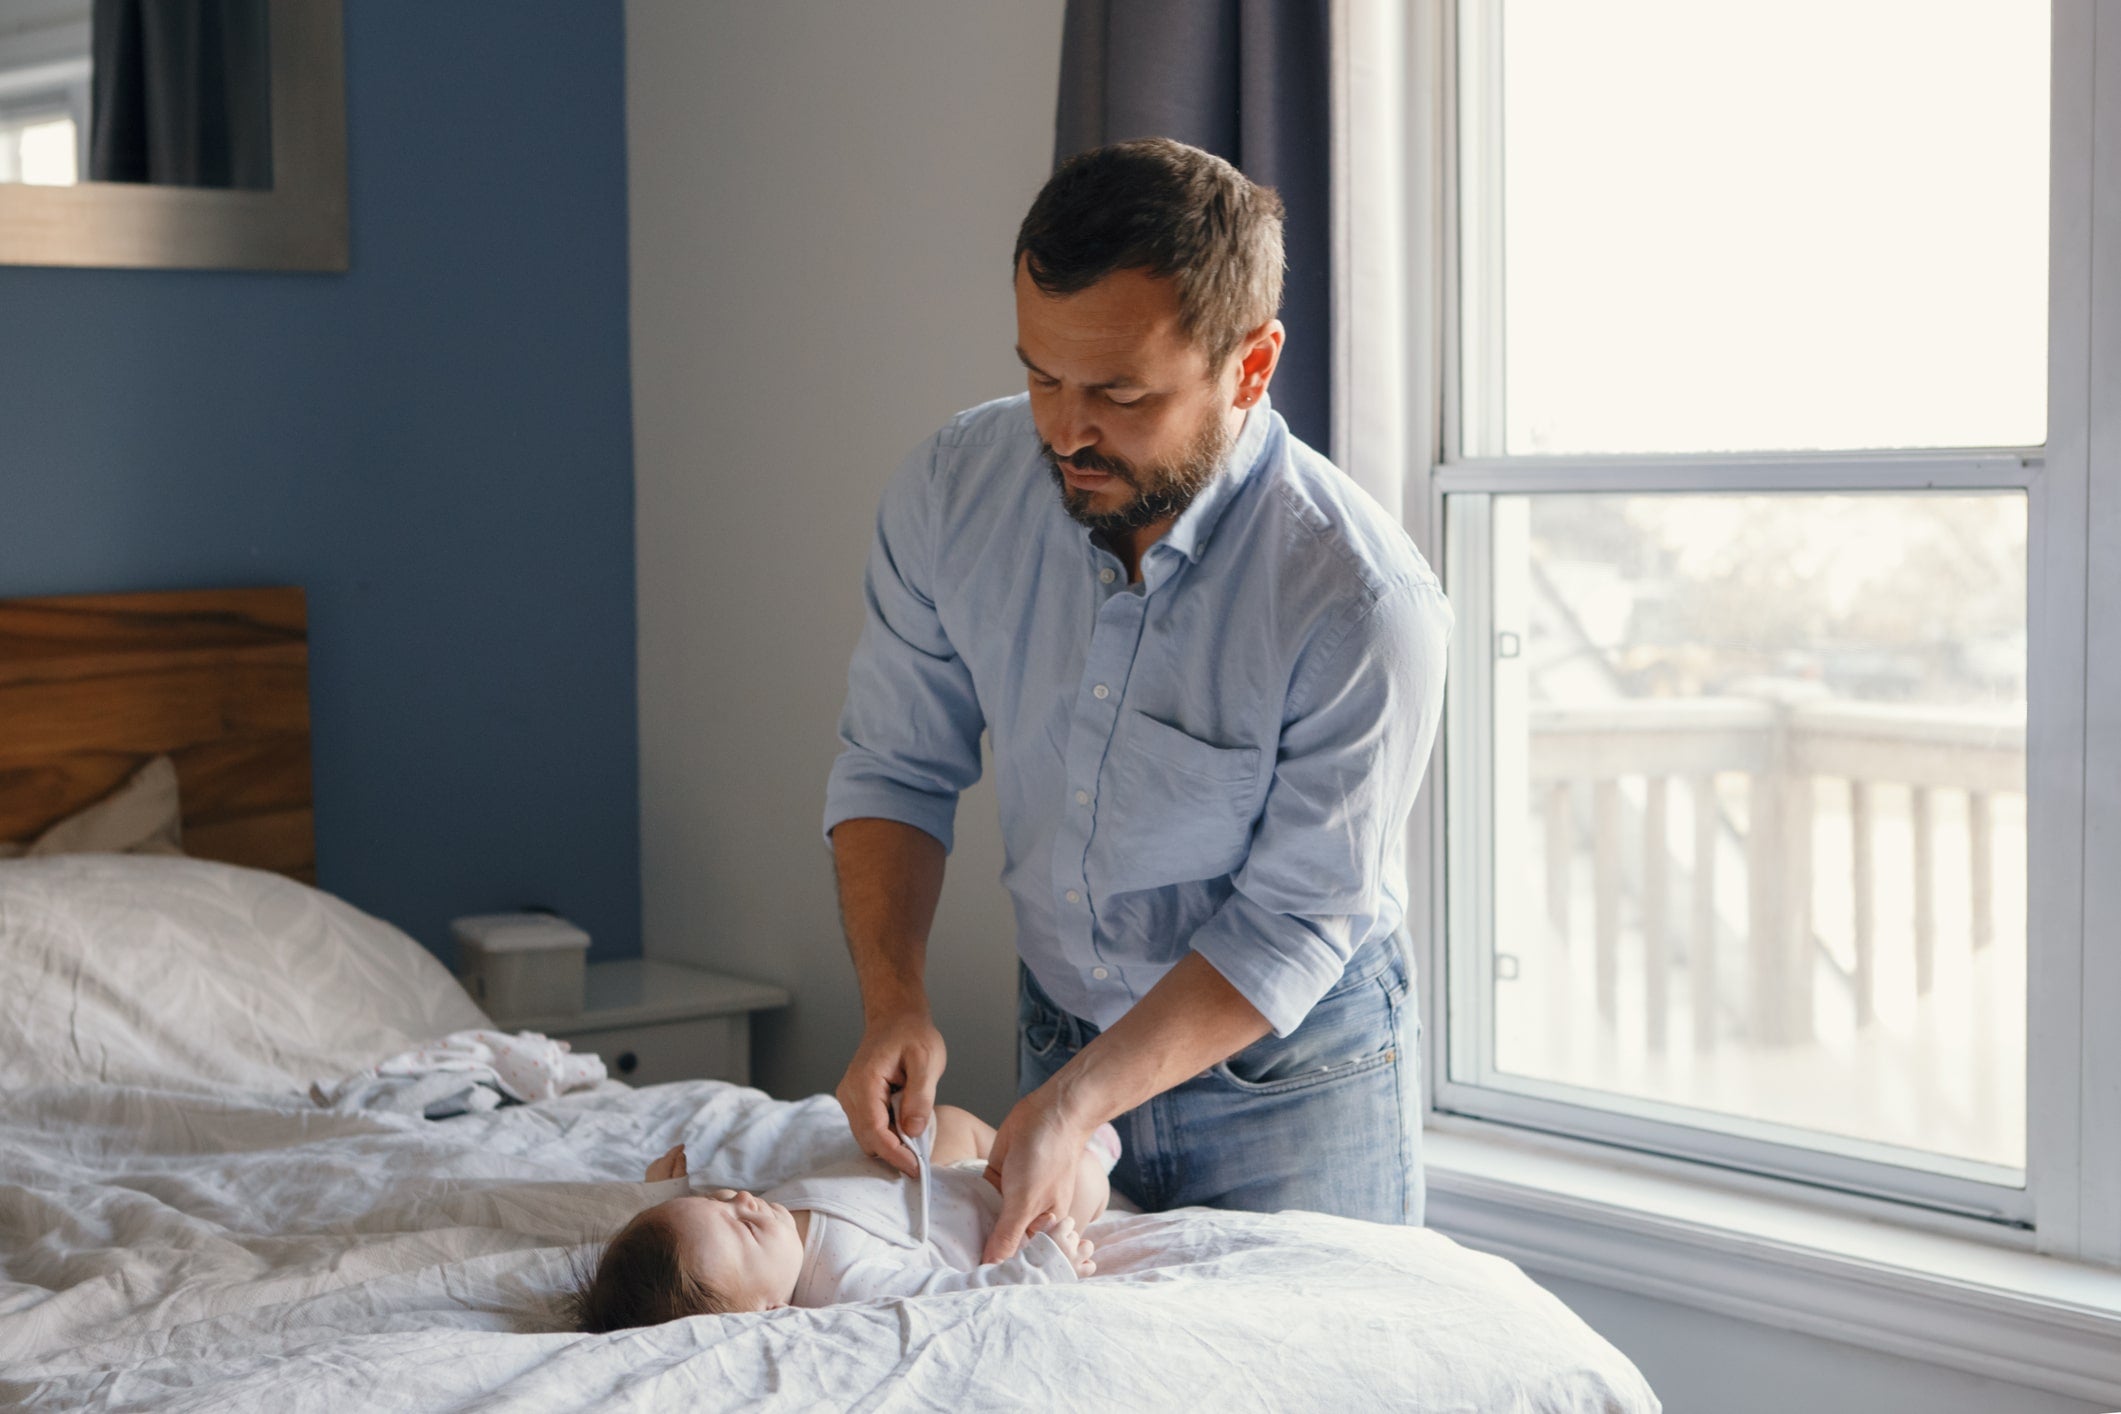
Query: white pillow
point(187, 974)
point(142, 816)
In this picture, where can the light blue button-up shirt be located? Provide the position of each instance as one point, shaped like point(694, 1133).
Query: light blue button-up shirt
point(1221, 758)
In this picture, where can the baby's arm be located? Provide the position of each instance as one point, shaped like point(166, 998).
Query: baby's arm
point(1057, 1255)
point(671, 1165)
point(1073, 1245)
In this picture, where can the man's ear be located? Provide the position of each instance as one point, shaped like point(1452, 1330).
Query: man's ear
point(1257, 357)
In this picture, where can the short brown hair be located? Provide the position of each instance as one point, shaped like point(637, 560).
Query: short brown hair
point(639, 1281)
point(1177, 213)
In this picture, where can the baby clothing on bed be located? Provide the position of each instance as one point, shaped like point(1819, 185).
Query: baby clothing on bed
point(875, 1232)
point(464, 1072)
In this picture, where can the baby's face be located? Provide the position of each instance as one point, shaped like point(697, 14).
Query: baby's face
point(743, 1246)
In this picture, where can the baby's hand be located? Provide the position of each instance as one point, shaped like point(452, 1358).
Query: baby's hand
point(671, 1165)
point(1077, 1247)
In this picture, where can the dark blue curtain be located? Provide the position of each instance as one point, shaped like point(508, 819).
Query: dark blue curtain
point(1247, 80)
point(181, 93)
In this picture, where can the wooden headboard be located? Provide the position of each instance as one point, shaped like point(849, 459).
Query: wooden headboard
point(94, 685)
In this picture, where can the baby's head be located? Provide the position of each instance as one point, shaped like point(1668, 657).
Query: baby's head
point(699, 1255)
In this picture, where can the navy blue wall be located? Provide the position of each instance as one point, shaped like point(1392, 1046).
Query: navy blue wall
point(436, 445)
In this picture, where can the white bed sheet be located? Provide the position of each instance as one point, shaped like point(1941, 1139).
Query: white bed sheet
point(175, 1251)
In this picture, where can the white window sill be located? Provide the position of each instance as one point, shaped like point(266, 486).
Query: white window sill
point(1777, 1259)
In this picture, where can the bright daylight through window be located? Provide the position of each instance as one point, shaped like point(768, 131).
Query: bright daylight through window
point(1747, 743)
point(38, 148)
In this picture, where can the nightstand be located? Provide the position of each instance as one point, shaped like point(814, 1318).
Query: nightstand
point(658, 1021)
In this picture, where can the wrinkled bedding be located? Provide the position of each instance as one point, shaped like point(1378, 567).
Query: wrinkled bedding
point(169, 1250)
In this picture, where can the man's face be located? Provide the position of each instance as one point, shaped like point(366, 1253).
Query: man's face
point(1132, 419)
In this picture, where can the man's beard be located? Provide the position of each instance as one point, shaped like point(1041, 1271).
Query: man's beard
point(1161, 492)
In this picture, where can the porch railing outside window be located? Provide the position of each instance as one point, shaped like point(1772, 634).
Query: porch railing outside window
point(1780, 908)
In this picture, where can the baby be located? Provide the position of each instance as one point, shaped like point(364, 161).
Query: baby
point(856, 1230)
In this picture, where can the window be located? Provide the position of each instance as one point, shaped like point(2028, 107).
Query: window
point(38, 146)
point(1764, 789)
point(1720, 227)
point(45, 90)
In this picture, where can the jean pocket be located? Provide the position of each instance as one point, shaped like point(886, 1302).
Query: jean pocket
point(1304, 1080)
point(1040, 1037)
point(1037, 1026)
point(1346, 1035)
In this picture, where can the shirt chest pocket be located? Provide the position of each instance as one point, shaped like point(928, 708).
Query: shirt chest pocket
point(1171, 808)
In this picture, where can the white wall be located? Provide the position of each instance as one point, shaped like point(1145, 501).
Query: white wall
point(824, 195)
point(824, 199)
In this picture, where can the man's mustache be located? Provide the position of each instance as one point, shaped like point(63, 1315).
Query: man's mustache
point(1087, 460)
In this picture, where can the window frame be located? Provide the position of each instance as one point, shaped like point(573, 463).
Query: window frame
point(48, 69)
point(2071, 1204)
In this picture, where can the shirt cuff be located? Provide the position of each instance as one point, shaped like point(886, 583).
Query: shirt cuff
point(1275, 961)
point(872, 798)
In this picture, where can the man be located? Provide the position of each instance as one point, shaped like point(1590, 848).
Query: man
point(1211, 669)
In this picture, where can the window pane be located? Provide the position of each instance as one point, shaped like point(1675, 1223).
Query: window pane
point(1818, 224)
point(46, 152)
point(1760, 811)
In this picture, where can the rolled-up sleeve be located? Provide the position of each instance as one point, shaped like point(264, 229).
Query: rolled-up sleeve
point(910, 729)
point(1327, 870)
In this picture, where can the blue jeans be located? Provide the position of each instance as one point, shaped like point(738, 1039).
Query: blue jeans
point(1325, 1118)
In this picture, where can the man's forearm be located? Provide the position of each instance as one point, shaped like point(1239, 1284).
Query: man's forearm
point(1189, 1021)
point(890, 877)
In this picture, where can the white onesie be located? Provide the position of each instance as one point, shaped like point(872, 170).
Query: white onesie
point(875, 1232)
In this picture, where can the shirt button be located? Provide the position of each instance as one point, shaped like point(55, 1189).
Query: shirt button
point(1099, 973)
point(1100, 692)
point(1106, 576)
point(1074, 897)
point(1082, 797)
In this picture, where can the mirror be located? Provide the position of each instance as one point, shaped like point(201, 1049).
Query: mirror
point(173, 133)
point(171, 92)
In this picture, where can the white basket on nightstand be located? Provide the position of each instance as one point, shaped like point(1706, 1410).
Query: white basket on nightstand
point(521, 964)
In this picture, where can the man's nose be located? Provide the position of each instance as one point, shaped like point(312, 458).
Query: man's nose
point(1072, 429)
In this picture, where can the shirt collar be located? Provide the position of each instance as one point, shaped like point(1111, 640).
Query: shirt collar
point(1190, 532)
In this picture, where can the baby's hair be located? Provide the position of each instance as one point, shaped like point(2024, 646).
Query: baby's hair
point(638, 1281)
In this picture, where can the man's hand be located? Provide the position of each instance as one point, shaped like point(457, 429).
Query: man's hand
point(1072, 1244)
point(903, 1052)
point(1033, 1163)
point(671, 1165)
point(1187, 1022)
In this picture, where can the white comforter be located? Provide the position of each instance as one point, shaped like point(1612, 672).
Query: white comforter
point(170, 1251)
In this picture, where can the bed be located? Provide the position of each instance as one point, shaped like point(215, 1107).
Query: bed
point(183, 1227)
